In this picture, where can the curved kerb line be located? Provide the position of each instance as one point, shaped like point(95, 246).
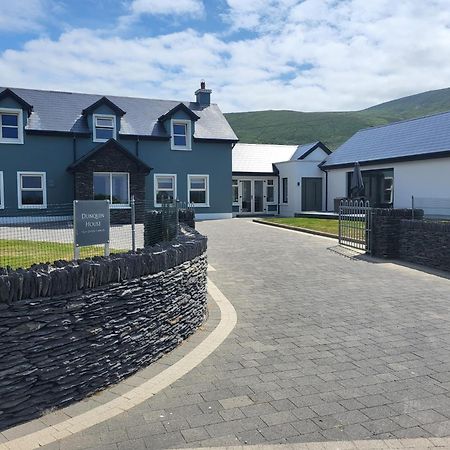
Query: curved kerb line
point(137, 395)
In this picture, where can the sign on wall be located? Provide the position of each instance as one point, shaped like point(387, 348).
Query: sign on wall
point(91, 223)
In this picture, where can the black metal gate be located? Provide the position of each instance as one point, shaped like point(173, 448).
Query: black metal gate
point(355, 224)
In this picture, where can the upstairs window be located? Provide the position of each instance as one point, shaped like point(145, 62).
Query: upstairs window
point(270, 192)
point(181, 135)
point(32, 190)
point(165, 188)
point(198, 188)
point(11, 127)
point(114, 187)
point(104, 127)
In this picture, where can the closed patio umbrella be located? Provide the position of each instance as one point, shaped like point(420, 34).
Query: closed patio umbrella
point(357, 183)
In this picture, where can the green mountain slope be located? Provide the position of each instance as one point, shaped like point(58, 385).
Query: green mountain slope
point(332, 128)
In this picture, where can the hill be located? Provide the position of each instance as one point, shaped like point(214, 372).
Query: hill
point(332, 128)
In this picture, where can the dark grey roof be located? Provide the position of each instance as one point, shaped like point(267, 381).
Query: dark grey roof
point(419, 138)
point(62, 112)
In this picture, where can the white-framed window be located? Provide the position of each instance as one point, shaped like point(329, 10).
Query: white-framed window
point(11, 126)
point(285, 190)
point(31, 190)
point(181, 134)
point(235, 196)
point(198, 190)
point(164, 188)
point(270, 194)
point(104, 127)
point(112, 186)
point(2, 192)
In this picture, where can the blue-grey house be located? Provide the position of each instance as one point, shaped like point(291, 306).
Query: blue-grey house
point(59, 146)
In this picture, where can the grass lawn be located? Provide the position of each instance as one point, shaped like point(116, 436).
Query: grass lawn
point(18, 253)
point(325, 225)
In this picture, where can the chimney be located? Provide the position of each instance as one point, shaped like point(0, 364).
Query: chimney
point(203, 95)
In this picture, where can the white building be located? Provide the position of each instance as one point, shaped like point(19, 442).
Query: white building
point(278, 179)
point(398, 161)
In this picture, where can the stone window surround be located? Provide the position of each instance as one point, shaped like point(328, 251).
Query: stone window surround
point(19, 113)
point(117, 205)
point(187, 124)
point(94, 126)
point(43, 188)
point(189, 189)
point(155, 186)
point(2, 191)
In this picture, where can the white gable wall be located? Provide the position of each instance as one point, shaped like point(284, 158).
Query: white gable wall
point(294, 171)
point(317, 155)
point(428, 178)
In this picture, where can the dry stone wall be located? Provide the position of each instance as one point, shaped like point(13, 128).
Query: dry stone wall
point(69, 330)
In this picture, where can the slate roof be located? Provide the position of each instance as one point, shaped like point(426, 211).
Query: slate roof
point(419, 138)
point(259, 158)
point(62, 112)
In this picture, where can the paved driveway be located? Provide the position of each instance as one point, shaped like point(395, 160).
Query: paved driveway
point(326, 348)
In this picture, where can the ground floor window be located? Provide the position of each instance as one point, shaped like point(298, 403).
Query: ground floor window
point(198, 190)
point(165, 188)
point(285, 190)
point(112, 186)
point(270, 197)
point(31, 190)
point(378, 187)
point(235, 197)
point(2, 192)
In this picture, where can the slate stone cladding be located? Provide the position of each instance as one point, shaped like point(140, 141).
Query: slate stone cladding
point(109, 159)
point(71, 329)
point(425, 242)
point(396, 235)
point(386, 229)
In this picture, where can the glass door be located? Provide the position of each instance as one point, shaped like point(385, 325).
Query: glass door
point(246, 196)
point(258, 196)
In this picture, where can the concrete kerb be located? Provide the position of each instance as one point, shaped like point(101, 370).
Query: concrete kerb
point(136, 395)
point(298, 229)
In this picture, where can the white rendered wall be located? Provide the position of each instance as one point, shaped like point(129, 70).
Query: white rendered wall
point(426, 178)
point(294, 171)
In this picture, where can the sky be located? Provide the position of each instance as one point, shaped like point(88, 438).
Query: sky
point(303, 55)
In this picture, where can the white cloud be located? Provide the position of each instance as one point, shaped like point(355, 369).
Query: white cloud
point(315, 55)
point(164, 7)
point(176, 9)
point(25, 15)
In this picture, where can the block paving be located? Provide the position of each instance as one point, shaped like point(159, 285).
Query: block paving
point(328, 347)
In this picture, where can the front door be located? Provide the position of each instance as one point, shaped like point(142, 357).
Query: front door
point(251, 197)
point(311, 194)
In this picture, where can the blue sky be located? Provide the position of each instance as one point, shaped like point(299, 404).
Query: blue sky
point(310, 55)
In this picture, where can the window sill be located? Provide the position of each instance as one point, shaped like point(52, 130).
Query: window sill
point(119, 207)
point(200, 205)
point(16, 141)
point(181, 149)
point(32, 207)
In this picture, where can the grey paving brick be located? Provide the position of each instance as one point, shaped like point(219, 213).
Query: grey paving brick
point(381, 426)
point(282, 431)
point(278, 418)
point(258, 409)
point(194, 434)
point(145, 430)
point(305, 426)
point(236, 402)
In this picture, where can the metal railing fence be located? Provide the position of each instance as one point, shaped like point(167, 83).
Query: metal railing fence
point(36, 236)
point(355, 224)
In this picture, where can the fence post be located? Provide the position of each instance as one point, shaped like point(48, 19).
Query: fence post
point(412, 207)
point(133, 224)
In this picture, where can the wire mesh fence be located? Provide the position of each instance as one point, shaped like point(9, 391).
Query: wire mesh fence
point(433, 208)
point(34, 236)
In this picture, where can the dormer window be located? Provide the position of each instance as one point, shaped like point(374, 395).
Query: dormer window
point(104, 127)
point(11, 126)
point(181, 135)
